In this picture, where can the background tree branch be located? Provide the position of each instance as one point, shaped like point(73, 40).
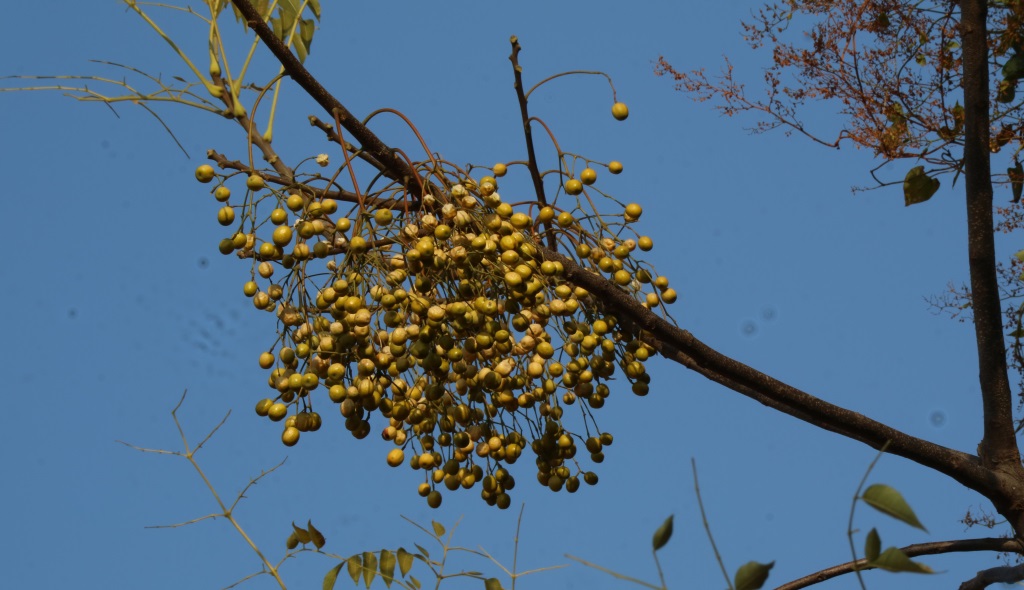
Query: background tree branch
point(916, 550)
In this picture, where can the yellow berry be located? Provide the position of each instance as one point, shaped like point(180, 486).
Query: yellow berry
point(226, 216)
point(263, 406)
point(282, 235)
point(620, 111)
point(222, 193)
point(255, 182)
point(290, 436)
point(573, 186)
point(633, 212)
point(396, 457)
point(277, 411)
point(645, 243)
point(499, 169)
point(434, 499)
point(588, 176)
point(615, 166)
point(295, 202)
point(205, 173)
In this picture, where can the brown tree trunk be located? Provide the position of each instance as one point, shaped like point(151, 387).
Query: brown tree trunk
point(998, 449)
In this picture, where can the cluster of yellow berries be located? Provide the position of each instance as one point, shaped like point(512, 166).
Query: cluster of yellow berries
point(442, 317)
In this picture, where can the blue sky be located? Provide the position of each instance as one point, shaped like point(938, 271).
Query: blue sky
point(118, 300)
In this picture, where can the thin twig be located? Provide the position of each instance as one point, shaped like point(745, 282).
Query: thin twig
point(853, 509)
point(538, 182)
point(707, 527)
point(613, 573)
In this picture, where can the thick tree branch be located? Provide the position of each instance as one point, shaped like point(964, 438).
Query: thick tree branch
point(959, 546)
point(999, 445)
point(995, 575)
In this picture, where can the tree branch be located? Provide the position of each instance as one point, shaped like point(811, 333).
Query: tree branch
point(936, 548)
point(995, 575)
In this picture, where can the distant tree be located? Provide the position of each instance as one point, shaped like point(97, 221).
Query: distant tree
point(409, 293)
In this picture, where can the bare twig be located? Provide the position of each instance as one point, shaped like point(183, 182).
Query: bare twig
point(538, 182)
point(614, 573)
point(707, 527)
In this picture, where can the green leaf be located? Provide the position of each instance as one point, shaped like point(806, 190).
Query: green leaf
point(894, 560)
point(917, 187)
point(752, 575)
point(438, 529)
point(301, 534)
point(1018, 333)
point(958, 117)
point(1016, 175)
point(306, 29)
point(332, 576)
point(1007, 91)
point(387, 566)
point(404, 561)
point(316, 536)
point(355, 567)
point(1013, 69)
point(263, 7)
point(888, 501)
point(663, 534)
point(277, 26)
point(290, 5)
point(872, 545)
point(492, 584)
point(369, 567)
point(422, 550)
point(415, 583)
point(292, 542)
